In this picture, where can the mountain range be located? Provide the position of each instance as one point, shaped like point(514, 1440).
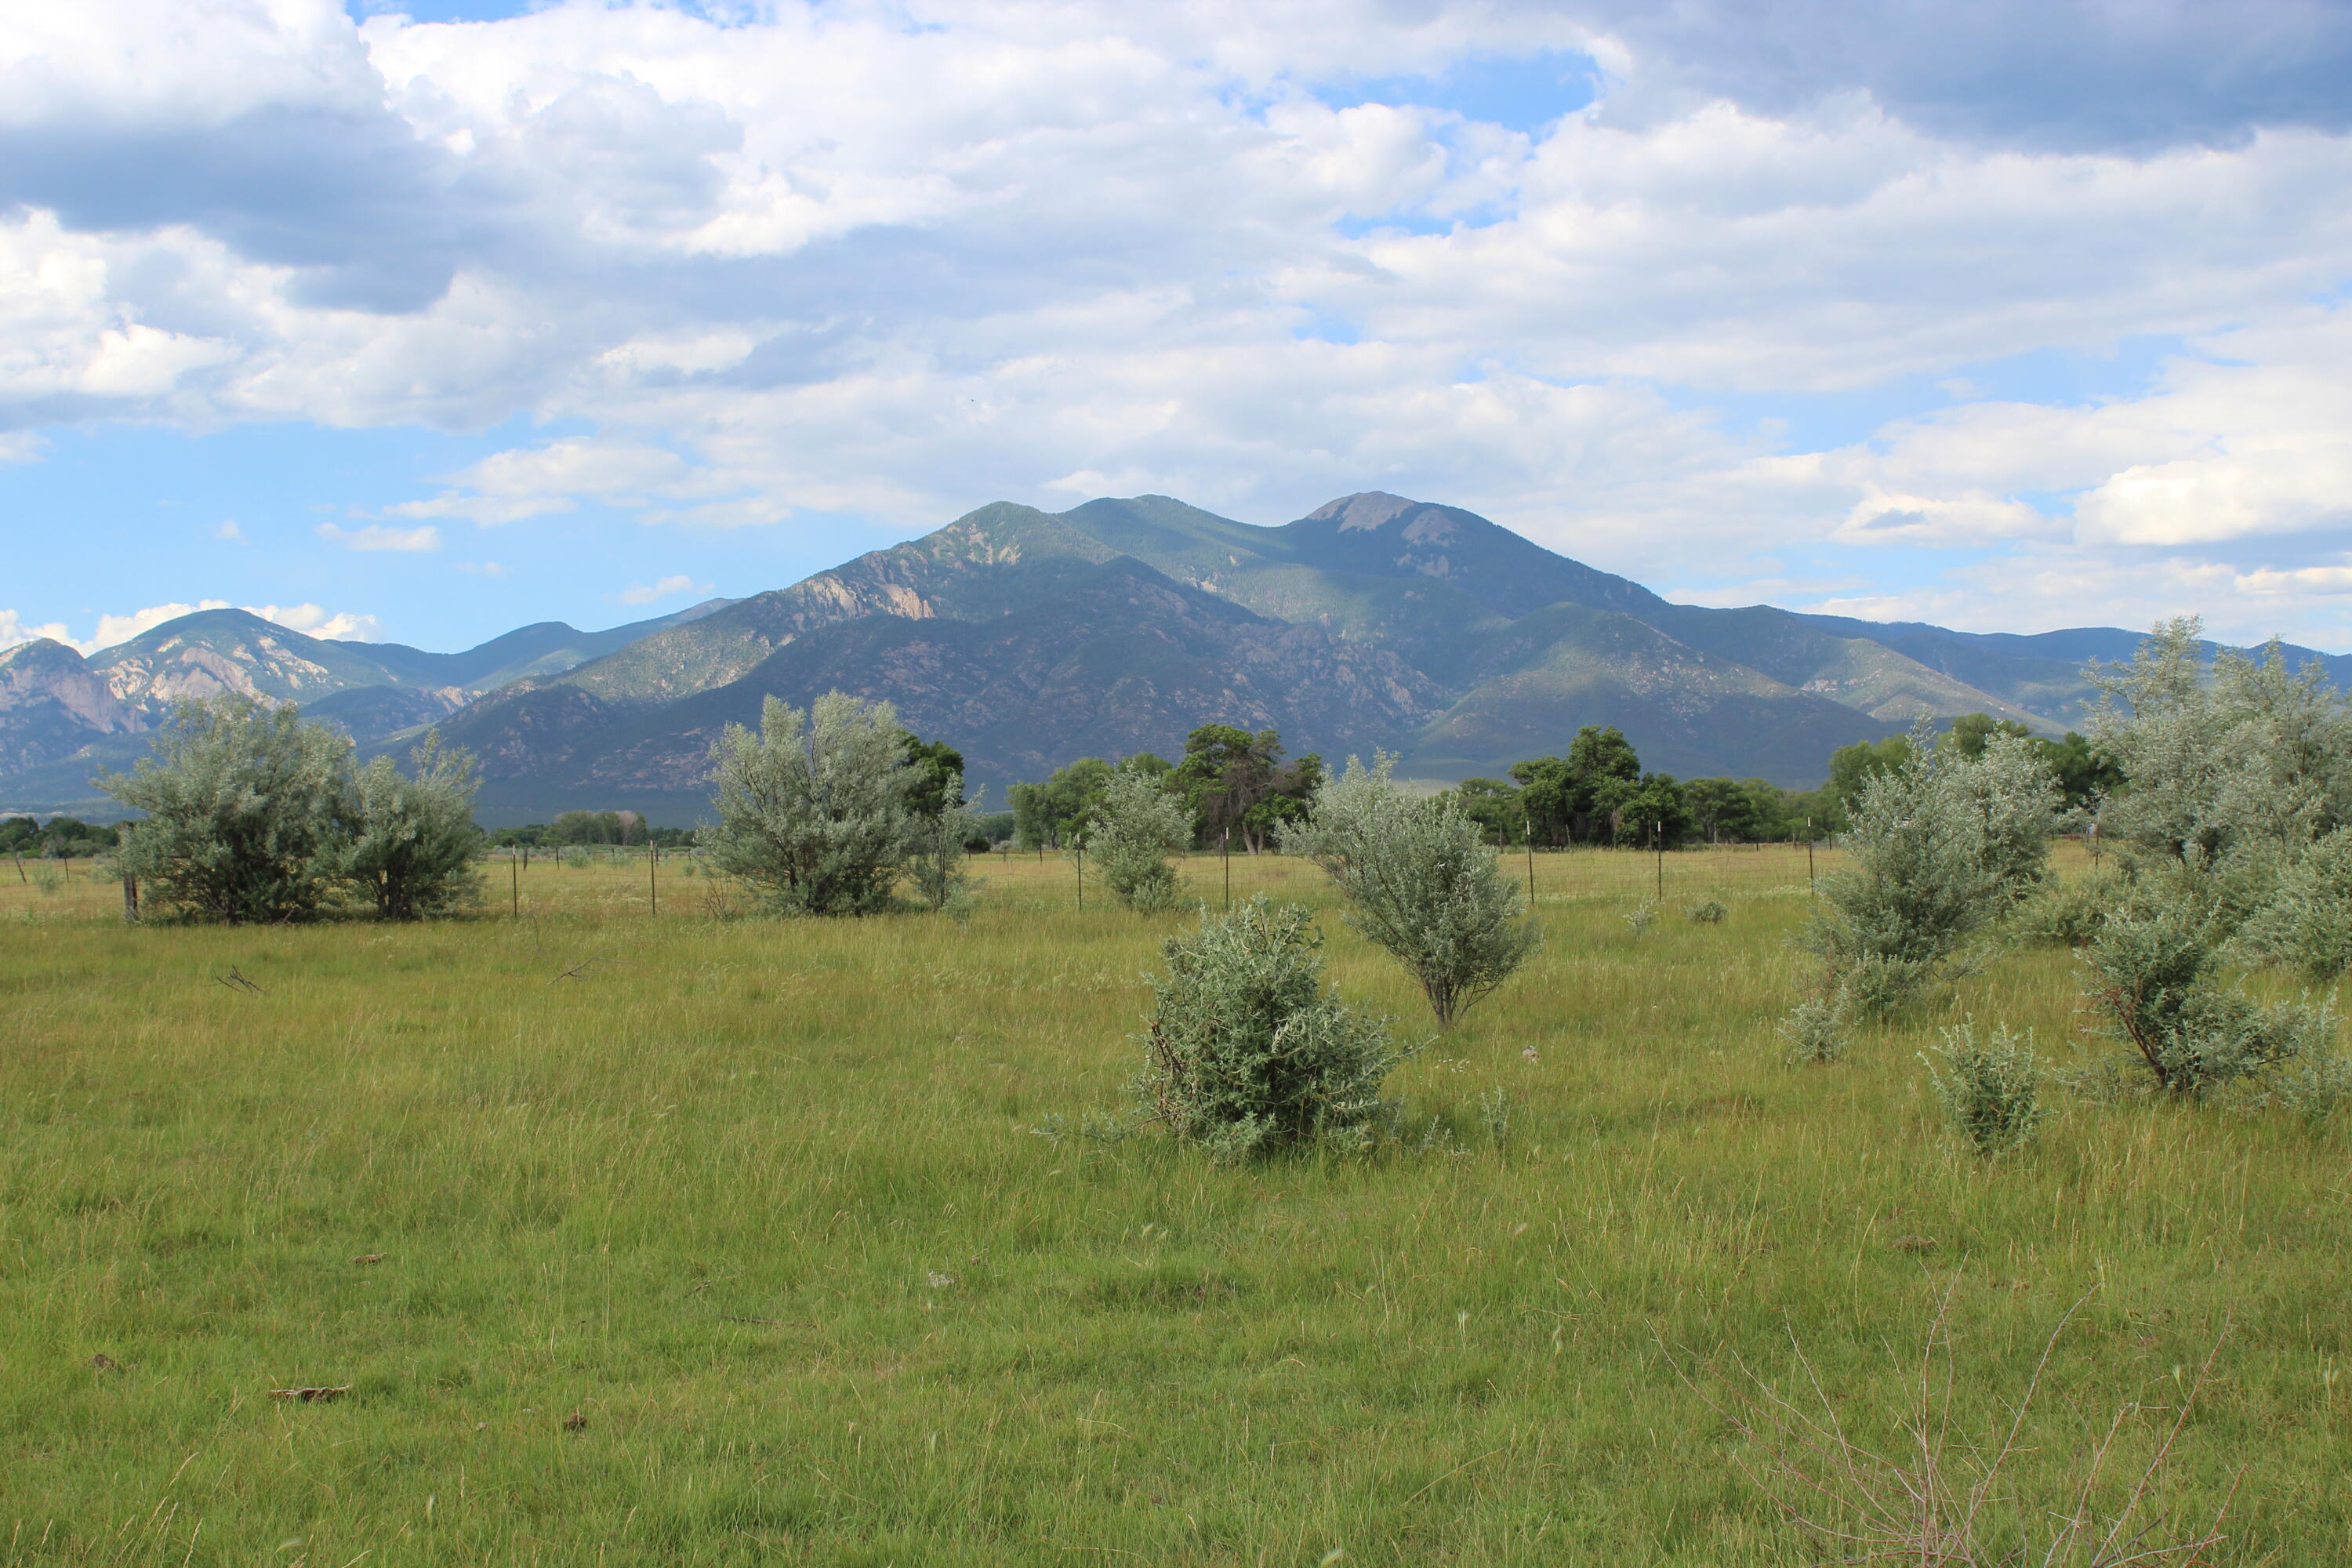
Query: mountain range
point(1026, 639)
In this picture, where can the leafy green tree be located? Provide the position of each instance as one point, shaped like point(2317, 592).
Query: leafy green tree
point(1647, 812)
point(814, 811)
point(243, 807)
point(1496, 807)
point(2085, 775)
point(1852, 766)
point(938, 776)
point(586, 828)
point(60, 838)
point(1289, 797)
point(1546, 795)
point(413, 841)
point(1054, 814)
point(1969, 731)
point(1227, 772)
point(1420, 882)
point(1724, 811)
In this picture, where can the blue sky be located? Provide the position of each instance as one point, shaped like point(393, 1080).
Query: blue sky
point(425, 321)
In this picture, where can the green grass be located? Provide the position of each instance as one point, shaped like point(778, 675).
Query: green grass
point(759, 1203)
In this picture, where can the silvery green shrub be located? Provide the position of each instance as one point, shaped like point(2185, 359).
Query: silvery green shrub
point(2233, 777)
point(1937, 849)
point(413, 842)
point(2316, 1082)
point(243, 806)
point(1136, 827)
point(2150, 980)
point(1990, 1089)
point(2306, 923)
point(1819, 1028)
point(1245, 1052)
point(1421, 882)
point(812, 810)
point(939, 857)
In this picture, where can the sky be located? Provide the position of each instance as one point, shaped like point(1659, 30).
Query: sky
point(423, 323)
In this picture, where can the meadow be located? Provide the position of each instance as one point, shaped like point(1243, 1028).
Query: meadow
point(683, 1236)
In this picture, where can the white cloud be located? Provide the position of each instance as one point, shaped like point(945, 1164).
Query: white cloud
point(309, 619)
point(482, 568)
point(889, 262)
point(16, 629)
point(229, 530)
point(113, 629)
point(376, 536)
point(312, 621)
point(645, 594)
point(528, 483)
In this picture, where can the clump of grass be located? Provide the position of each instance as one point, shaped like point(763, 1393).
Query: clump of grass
point(1708, 912)
point(1945, 1497)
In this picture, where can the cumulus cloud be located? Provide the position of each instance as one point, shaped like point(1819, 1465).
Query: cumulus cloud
point(376, 536)
point(309, 619)
point(113, 629)
point(312, 621)
point(891, 261)
point(14, 630)
point(646, 593)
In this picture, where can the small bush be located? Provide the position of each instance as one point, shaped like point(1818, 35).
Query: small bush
point(1641, 917)
point(1421, 882)
point(1710, 913)
point(2317, 1082)
point(1990, 1089)
point(1137, 827)
point(939, 855)
point(1819, 1028)
point(1246, 1054)
point(1939, 848)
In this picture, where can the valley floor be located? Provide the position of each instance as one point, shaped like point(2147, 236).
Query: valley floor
point(680, 1238)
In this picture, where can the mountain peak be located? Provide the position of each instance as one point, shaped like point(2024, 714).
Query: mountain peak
point(1365, 509)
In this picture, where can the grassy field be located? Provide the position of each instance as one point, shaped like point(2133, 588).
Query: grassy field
point(677, 1238)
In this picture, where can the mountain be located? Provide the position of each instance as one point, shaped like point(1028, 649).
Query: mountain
point(63, 717)
point(1026, 639)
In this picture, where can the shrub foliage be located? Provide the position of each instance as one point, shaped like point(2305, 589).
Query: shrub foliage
point(813, 810)
point(244, 811)
point(1246, 1053)
point(1421, 882)
point(1137, 825)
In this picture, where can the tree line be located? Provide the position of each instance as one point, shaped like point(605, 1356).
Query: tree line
point(1235, 790)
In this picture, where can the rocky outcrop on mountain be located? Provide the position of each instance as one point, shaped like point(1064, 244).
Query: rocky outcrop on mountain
point(52, 704)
